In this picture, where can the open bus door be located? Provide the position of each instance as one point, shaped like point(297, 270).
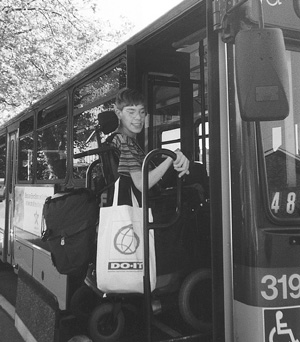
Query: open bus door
point(8, 248)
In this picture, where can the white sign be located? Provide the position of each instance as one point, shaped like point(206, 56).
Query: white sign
point(29, 203)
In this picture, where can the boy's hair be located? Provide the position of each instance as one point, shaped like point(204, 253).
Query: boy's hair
point(129, 97)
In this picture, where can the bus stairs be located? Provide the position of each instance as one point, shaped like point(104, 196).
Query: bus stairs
point(165, 328)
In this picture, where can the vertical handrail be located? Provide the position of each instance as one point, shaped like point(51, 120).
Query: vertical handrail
point(147, 225)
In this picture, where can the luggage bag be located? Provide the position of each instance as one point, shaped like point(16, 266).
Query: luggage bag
point(70, 221)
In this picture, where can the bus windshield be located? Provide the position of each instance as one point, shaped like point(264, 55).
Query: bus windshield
point(281, 144)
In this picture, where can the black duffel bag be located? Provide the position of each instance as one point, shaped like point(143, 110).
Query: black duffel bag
point(70, 221)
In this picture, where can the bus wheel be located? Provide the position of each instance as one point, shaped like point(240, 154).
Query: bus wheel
point(195, 300)
point(83, 303)
point(103, 326)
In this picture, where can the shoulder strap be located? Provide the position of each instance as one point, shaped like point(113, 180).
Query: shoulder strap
point(110, 138)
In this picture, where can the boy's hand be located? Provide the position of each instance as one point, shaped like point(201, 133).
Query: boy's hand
point(181, 164)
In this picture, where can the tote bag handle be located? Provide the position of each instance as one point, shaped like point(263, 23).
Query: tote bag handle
point(116, 195)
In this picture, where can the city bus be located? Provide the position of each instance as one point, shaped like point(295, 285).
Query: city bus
point(222, 83)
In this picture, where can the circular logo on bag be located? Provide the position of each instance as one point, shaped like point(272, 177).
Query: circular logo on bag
point(126, 240)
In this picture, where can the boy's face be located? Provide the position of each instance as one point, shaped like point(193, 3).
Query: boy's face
point(132, 119)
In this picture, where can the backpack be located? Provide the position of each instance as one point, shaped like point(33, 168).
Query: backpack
point(70, 229)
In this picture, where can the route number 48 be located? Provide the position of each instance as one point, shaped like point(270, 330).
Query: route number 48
point(290, 202)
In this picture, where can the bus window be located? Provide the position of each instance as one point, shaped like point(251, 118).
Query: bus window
point(84, 139)
point(165, 112)
point(25, 149)
point(171, 139)
point(199, 77)
point(52, 143)
point(281, 143)
point(2, 166)
point(91, 99)
point(100, 89)
point(203, 144)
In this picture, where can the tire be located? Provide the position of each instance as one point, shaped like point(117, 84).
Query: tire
point(103, 327)
point(195, 300)
point(83, 302)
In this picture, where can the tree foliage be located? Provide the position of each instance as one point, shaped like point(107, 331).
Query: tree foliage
point(43, 43)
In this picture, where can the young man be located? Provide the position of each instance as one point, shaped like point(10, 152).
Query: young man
point(131, 112)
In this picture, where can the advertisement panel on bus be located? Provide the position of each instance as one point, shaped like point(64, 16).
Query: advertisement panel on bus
point(29, 201)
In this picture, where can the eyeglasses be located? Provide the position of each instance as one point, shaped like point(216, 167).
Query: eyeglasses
point(133, 112)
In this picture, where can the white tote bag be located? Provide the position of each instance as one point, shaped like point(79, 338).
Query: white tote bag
point(120, 248)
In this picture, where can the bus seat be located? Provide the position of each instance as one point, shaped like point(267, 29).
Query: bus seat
point(108, 121)
point(198, 176)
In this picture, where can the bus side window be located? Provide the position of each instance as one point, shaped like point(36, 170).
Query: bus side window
point(52, 143)
point(170, 139)
point(84, 139)
point(2, 167)
point(26, 143)
point(202, 146)
point(90, 99)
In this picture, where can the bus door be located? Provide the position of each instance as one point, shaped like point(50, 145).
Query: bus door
point(11, 170)
point(165, 79)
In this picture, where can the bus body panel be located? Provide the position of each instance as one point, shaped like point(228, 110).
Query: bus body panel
point(31, 254)
point(266, 252)
point(247, 322)
point(24, 256)
point(37, 262)
point(254, 323)
point(47, 275)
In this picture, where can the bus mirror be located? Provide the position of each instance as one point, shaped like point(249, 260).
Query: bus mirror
point(297, 7)
point(262, 74)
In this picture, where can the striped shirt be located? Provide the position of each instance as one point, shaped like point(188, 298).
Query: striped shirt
point(131, 154)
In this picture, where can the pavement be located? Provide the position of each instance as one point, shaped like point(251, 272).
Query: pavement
point(8, 294)
point(8, 288)
point(8, 331)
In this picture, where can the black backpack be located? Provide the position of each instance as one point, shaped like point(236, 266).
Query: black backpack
point(70, 229)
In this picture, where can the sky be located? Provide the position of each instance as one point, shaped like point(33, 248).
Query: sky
point(140, 12)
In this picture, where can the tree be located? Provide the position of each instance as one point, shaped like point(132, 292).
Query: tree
point(43, 43)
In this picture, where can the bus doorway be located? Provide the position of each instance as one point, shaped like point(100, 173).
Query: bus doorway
point(164, 77)
point(8, 250)
point(173, 120)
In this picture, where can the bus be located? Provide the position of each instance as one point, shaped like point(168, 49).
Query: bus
point(222, 82)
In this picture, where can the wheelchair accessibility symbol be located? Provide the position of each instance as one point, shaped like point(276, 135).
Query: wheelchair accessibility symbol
point(281, 329)
point(281, 325)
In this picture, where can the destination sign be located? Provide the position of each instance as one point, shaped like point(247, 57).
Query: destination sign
point(285, 204)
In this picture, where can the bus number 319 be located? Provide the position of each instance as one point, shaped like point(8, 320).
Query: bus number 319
point(283, 287)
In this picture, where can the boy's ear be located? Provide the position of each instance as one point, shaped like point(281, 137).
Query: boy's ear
point(117, 111)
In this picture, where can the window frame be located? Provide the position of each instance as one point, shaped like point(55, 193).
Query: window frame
point(279, 221)
point(60, 102)
point(3, 183)
point(20, 135)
